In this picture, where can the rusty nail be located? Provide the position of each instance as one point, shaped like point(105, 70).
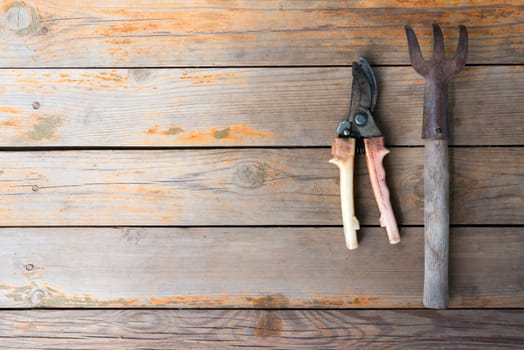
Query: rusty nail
point(44, 30)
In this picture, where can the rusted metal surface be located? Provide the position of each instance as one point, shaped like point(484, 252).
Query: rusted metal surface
point(437, 71)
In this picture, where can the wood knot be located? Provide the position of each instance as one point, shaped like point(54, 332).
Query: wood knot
point(269, 325)
point(22, 18)
point(251, 174)
point(140, 74)
point(35, 296)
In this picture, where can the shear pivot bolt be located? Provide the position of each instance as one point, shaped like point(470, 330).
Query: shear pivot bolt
point(346, 132)
point(361, 119)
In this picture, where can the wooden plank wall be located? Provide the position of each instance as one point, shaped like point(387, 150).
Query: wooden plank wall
point(157, 156)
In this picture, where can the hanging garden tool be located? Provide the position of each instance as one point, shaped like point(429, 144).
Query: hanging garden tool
point(437, 71)
point(361, 127)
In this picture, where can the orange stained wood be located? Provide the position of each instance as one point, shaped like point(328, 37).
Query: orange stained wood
point(235, 133)
point(200, 78)
point(13, 122)
point(196, 33)
point(10, 110)
point(162, 107)
point(43, 294)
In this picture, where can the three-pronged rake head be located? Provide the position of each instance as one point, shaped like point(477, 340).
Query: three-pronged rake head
point(437, 71)
point(437, 68)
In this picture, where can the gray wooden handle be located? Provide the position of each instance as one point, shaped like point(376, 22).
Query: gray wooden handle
point(436, 224)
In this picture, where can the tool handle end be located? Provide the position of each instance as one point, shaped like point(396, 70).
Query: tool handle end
point(343, 151)
point(436, 224)
point(375, 153)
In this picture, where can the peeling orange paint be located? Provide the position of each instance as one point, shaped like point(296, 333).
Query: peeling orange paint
point(111, 77)
point(237, 132)
point(119, 41)
point(131, 27)
point(207, 78)
point(245, 130)
point(155, 130)
point(12, 122)
point(43, 294)
point(10, 110)
point(29, 326)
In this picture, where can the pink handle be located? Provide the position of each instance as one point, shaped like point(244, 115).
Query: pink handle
point(375, 153)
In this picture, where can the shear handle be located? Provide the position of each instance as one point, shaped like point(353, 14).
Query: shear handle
point(343, 151)
point(375, 153)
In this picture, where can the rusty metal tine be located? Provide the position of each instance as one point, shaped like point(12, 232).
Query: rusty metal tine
point(420, 65)
point(438, 43)
point(462, 49)
point(437, 72)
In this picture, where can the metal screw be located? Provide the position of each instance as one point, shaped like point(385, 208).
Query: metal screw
point(345, 132)
point(36, 105)
point(29, 267)
point(361, 119)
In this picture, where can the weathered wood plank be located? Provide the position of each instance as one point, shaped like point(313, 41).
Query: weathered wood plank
point(231, 107)
point(272, 32)
point(288, 329)
point(250, 267)
point(243, 187)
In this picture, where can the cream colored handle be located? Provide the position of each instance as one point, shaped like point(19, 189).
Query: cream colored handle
point(343, 151)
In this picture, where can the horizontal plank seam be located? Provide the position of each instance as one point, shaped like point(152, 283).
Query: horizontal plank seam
point(258, 226)
point(47, 308)
point(241, 66)
point(199, 148)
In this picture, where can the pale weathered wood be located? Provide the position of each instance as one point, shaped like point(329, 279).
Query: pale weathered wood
point(343, 152)
point(59, 33)
point(375, 153)
point(282, 329)
point(436, 223)
point(234, 107)
point(250, 267)
point(243, 187)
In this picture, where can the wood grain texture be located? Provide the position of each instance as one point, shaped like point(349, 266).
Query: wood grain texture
point(251, 268)
point(375, 153)
point(143, 33)
point(291, 329)
point(436, 223)
point(244, 187)
point(343, 152)
point(239, 107)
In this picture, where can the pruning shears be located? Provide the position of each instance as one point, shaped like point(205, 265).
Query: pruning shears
point(359, 133)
